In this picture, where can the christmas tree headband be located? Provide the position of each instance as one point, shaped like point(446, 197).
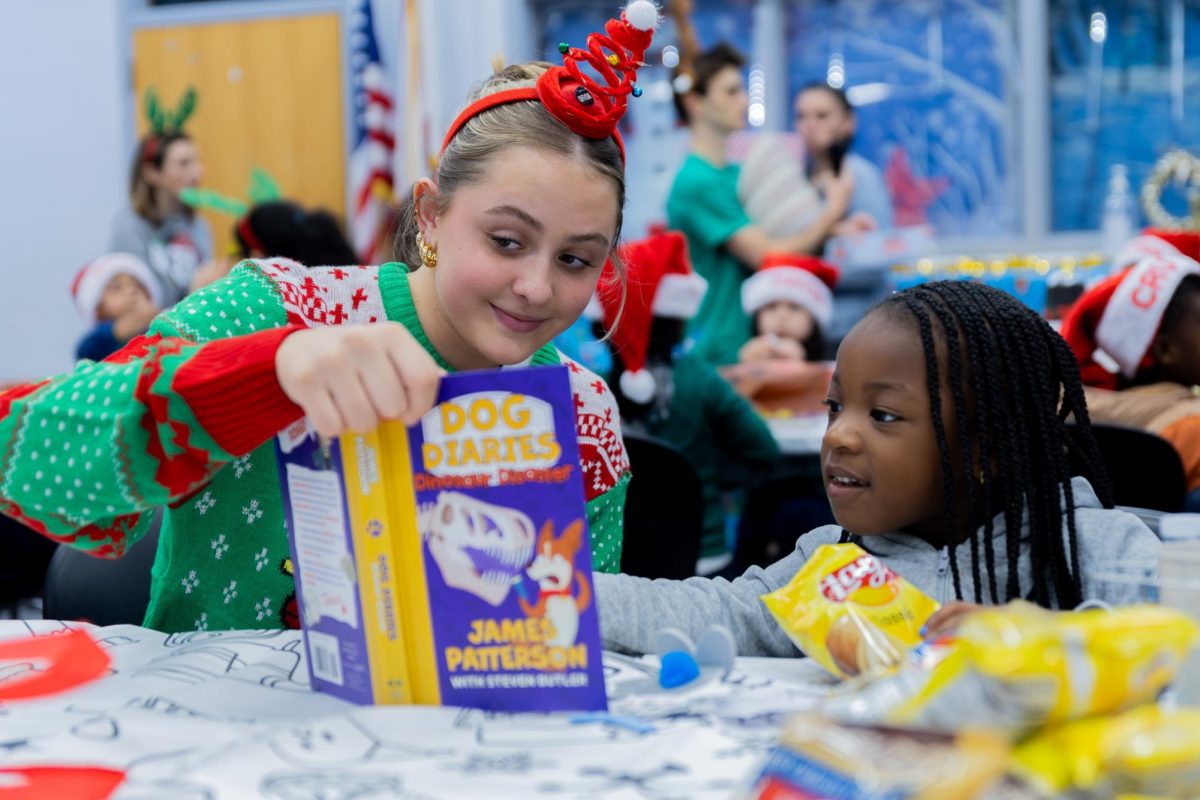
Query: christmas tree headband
point(584, 105)
point(162, 122)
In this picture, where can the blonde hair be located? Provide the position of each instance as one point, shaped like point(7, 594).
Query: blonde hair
point(519, 124)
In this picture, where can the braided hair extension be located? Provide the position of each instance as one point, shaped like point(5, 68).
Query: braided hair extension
point(1014, 386)
point(949, 483)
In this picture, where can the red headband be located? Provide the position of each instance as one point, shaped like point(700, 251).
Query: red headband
point(247, 233)
point(586, 107)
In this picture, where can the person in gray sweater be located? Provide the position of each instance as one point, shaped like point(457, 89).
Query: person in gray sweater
point(969, 486)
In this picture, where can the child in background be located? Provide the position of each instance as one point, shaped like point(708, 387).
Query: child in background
point(947, 457)
point(1146, 319)
point(118, 296)
point(676, 396)
point(510, 235)
point(283, 228)
point(790, 305)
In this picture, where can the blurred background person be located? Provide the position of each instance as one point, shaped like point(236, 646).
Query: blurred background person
point(157, 226)
point(283, 228)
point(826, 124)
point(117, 296)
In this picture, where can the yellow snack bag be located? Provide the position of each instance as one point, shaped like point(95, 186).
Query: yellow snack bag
point(1148, 751)
point(849, 612)
point(1018, 667)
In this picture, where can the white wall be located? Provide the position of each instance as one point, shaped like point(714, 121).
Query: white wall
point(62, 168)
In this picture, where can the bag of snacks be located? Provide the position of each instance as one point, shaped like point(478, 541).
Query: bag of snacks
point(1148, 751)
point(1018, 667)
point(849, 612)
point(820, 757)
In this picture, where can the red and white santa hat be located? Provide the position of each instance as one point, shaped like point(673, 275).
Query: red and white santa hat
point(806, 281)
point(1186, 242)
point(90, 282)
point(1121, 316)
point(659, 283)
point(1150, 243)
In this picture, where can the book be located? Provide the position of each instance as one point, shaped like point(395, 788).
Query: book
point(448, 563)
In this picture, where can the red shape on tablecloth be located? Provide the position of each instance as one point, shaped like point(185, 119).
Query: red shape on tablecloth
point(77, 783)
point(74, 659)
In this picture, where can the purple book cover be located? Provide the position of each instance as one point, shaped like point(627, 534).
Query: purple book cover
point(508, 564)
point(322, 548)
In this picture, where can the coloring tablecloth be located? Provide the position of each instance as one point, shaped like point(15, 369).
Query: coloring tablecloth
point(207, 715)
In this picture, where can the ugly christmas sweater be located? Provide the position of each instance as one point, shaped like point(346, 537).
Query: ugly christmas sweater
point(184, 417)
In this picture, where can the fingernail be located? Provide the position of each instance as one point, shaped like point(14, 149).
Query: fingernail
point(924, 630)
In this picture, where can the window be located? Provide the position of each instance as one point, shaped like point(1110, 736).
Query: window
point(1124, 78)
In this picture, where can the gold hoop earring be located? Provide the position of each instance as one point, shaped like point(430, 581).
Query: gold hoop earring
point(429, 256)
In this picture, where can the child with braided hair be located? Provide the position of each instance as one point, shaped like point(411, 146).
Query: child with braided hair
point(504, 245)
point(947, 456)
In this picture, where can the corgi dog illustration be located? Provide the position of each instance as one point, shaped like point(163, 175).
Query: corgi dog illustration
point(553, 567)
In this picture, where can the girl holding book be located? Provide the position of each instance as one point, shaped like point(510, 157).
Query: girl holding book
point(504, 246)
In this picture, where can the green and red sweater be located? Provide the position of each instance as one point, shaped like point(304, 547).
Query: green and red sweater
point(184, 417)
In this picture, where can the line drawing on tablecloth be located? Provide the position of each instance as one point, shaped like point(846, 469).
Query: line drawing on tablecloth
point(335, 786)
point(667, 780)
point(502, 729)
point(195, 657)
point(342, 741)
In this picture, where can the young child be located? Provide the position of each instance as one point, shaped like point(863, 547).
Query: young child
point(946, 456)
point(283, 228)
point(117, 296)
point(511, 234)
point(1146, 319)
point(676, 396)
point(790, 305)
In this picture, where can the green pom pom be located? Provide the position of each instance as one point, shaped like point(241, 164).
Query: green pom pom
point(563, 47)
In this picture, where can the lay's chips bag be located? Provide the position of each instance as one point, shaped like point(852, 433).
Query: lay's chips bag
point(849, 612)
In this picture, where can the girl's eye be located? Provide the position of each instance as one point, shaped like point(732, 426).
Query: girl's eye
point(879, 415)
point(574, 262)
point(833, 405)
point(505, 243)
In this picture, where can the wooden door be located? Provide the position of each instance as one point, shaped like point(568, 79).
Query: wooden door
point(269, 96)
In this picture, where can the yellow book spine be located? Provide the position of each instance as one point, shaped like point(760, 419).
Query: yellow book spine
point(372, 524)
point(410, 566)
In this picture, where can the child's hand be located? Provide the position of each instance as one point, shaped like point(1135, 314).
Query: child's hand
point(945, 620)
point(767, 346)
point(350, 378)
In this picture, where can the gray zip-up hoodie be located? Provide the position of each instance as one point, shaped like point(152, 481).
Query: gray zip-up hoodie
point(633, 610)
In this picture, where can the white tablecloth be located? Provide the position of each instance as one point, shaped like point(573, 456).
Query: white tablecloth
point(230, 715)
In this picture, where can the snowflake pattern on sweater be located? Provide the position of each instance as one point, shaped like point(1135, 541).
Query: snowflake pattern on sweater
point(184, 417)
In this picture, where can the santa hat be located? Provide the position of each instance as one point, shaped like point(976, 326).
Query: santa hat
point(659, 283)
point(93, 277)
point(1121, 316)
point(1186, 242)
point(1150, 243)
point(804, 280)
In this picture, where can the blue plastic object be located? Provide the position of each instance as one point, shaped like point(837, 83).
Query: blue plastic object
point(677, 669)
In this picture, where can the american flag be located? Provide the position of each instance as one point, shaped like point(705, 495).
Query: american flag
point(371, 178)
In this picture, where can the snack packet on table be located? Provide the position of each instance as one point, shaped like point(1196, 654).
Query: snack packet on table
point(846, 610)
point(1017, 667)
point(1147, 752)
point(821, 757)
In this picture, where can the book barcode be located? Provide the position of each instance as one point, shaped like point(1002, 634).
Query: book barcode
point(326, 660)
